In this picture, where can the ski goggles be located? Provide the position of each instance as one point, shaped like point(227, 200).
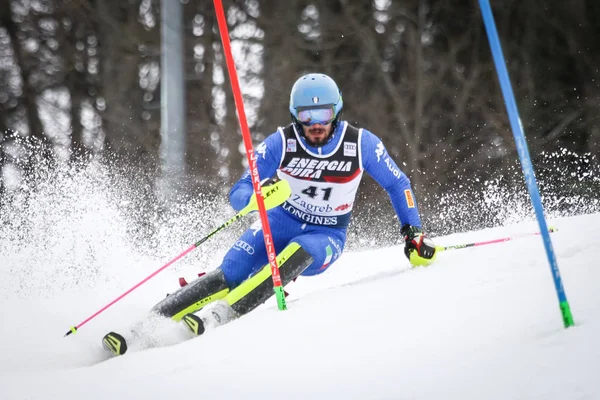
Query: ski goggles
point(313, 115)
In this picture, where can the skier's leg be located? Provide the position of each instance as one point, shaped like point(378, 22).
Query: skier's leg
point(243, 259)
point(245, 256)
point(188, 299)
point(325, 245)
point(307, 254)
point(192, 297)
point(249, 254)
point(252, 292)
point(257, 289)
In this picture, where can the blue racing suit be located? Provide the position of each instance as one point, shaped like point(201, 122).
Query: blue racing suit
point(324, 182)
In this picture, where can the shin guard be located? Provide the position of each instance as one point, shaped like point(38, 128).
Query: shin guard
point(193, 296)
point(292, 261)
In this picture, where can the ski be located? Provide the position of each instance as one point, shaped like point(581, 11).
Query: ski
point(194, 323)
point(217, 305)
point(213, 315)
point(114, 343)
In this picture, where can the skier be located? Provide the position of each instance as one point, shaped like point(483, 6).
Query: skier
point(323, 159)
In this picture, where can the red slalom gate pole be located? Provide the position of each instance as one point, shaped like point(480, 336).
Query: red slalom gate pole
point(239, 104)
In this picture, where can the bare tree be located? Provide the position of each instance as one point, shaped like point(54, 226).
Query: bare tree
point(28, 66)
point(419, 74)
point(128, 60)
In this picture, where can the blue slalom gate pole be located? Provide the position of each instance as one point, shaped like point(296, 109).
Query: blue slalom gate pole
point(521, 143)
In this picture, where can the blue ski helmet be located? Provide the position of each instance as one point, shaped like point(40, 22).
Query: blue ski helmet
point(315, 98)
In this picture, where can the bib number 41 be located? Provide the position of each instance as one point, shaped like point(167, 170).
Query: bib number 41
point(312, 192)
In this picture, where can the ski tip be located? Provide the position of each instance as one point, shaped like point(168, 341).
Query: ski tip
point(114, 343)
point(194, 323)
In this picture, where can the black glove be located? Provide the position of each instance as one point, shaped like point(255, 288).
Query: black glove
point(269, 181)
point(265, 186)
point(419, 249)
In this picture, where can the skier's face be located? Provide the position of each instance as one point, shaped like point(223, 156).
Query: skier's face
point(317, 134)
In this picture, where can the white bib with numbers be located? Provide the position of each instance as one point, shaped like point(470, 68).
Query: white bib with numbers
point(323, 186)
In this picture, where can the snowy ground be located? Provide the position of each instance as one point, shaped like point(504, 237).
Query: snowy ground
point(482, 323)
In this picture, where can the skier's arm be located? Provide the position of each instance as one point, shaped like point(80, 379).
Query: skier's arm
point(268, 155)
point(378, 163)
point(419, 249)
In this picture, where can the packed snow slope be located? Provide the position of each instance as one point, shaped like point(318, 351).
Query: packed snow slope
point(481, 323)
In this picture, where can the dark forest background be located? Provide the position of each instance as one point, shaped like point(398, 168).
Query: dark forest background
point(80, 81)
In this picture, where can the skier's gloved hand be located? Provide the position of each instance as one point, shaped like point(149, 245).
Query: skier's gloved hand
point(242, 195)
point(269, 181)
point(265, 186)
point(419, 249)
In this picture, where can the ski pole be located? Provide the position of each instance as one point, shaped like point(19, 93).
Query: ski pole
point(505, 239)
point(273, 196)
